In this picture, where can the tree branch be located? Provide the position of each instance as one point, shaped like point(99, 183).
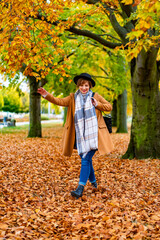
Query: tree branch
point(99, 77)
point(109, 89)
point(62, 60)
point(80, 32)
point(121, 31)
point(105, 34)
point(104, 49)
point(104, 71)
point(94, 36)
point(127, 11)
point(92, 1)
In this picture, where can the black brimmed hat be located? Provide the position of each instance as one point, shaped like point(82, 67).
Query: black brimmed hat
point(84, 76)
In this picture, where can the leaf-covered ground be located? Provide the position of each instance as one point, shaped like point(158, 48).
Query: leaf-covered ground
point(35, 185)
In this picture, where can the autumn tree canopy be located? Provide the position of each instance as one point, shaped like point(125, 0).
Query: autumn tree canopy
point(31, 31)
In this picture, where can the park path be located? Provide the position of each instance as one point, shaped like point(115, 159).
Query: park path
point(44, 121)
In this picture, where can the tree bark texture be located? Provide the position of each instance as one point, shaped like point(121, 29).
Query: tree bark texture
point(35, 109)
point(122, 113)
point(114, 114)
point(145, 130)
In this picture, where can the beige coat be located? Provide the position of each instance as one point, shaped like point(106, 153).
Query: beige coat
point(105, 144)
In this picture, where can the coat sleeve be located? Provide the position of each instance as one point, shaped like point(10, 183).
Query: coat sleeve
point(103, 105)
point(58, 101)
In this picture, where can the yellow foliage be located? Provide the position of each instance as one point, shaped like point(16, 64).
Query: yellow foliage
point(127, 2)
point(28, 45)
point(31, 31)
point(146, 15)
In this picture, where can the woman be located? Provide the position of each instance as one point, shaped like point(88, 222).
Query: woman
point(84, 127)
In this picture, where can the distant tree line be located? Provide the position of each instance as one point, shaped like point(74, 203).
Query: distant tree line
point(12, 100)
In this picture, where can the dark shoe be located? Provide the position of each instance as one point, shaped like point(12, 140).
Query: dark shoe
point(78, 192)
point(94, 184)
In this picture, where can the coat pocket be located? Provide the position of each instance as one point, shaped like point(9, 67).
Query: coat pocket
point(102, 126)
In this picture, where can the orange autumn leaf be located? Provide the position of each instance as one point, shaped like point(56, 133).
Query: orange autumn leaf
point(3, 226)
point(36, 181)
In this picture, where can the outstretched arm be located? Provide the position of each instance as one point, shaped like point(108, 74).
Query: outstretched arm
point(49, 97)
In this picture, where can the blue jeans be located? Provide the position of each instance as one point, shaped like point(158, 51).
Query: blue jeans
point(87, 170)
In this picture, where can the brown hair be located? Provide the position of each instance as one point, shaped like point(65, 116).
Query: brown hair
point(81, 81)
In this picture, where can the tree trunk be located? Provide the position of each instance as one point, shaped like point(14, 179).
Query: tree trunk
point(114, 114)
point(145, 129)
point(122, 113)
point(35, 109)
point(65, 115)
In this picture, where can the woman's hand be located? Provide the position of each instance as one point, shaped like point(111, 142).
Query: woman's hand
point(42, 91)
point(94, 101)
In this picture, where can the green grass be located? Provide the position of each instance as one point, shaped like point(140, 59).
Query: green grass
point(24, 128)
point(14, 129)
point(43, 117)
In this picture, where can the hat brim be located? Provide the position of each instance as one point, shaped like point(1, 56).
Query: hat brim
point(89, 79)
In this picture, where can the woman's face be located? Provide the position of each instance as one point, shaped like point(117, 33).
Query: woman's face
point(84, 87)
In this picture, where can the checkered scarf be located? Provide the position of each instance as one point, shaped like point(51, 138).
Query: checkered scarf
point(86, 124)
